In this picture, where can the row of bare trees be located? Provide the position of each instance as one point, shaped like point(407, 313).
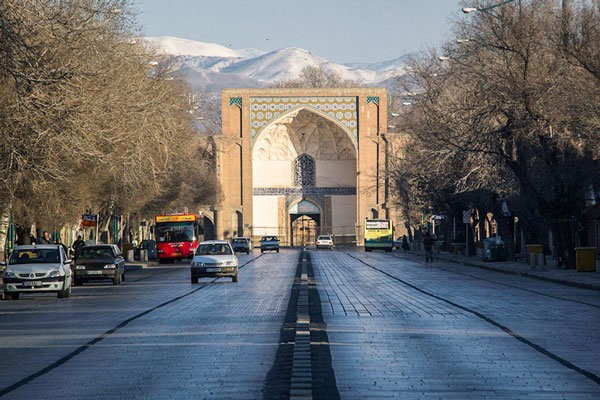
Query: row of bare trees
point(88, 120)
point(508, 113)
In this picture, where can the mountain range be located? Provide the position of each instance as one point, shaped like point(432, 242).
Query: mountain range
point(211, 67)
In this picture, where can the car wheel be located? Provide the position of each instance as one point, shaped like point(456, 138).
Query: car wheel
point(194, 279)
point(248, 252)
point(162, 261)
point(262, 251)
point(63, 294)
point(278, 250)
point(234, 278)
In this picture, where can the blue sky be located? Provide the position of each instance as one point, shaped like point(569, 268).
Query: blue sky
point(338, 30)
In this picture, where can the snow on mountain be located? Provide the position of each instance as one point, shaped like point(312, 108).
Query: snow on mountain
point(212, 67)
point(387, 65)
point(184, 47)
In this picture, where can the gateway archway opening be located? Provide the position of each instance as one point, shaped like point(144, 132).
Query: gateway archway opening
point(305, 229)
point(305, 218)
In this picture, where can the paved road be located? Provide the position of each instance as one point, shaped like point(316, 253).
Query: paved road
point(436, 331)
point(387, 327)
point(218, 341)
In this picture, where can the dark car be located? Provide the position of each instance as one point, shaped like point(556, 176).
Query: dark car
point(147, 244)
point(269, 243)
point(241, 245)
point(103, 261)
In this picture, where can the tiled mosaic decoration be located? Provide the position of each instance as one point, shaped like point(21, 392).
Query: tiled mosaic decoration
point(304, 171)
point(328, 191)
point(265, 109)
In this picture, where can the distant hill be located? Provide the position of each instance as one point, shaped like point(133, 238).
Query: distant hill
point(211, 67)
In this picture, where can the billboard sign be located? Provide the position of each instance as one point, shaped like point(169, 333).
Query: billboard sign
point(89, 220)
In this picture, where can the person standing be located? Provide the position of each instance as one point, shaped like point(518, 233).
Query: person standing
point(428, 246)
point(405, 243)
point(59, 241)
point(45, 239)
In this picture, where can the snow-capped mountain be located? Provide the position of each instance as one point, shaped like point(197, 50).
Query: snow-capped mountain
point(184, 47)
point(211, 67)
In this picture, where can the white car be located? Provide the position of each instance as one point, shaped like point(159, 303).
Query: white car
point(325, 242)
point(214, 258)
point(37, 269)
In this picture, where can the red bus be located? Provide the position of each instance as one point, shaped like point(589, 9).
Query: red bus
point(177, 236)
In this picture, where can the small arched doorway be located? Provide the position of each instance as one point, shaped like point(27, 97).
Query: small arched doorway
point(305, 218)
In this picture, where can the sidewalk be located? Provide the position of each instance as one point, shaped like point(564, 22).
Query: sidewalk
point(136, 265)
point(570, 277)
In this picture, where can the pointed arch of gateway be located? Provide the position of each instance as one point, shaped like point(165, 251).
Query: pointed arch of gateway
point(307, 108)
point(299, 159)
point(281, 146)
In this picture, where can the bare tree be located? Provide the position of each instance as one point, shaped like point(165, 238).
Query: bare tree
point(508, 113)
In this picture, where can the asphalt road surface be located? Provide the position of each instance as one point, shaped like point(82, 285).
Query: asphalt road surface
point(381, 326)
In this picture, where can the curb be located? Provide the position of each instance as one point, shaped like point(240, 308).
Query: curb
point(590, 286)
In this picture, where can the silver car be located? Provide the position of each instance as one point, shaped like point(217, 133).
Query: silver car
point(214, 258)
point(37, 269)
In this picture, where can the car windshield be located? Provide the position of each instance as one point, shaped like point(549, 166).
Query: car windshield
point(175, 232)
point(241, 240)
point(269, 238)
point(92, 253)
point(217, 249)
point(35, 256)
point(324, 238)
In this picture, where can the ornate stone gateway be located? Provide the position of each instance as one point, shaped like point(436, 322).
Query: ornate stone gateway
point(301, 162)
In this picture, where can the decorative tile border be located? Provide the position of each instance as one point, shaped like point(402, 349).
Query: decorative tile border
point(373, 99)
point(235, 101)
point(328, 191)
point(263, 110)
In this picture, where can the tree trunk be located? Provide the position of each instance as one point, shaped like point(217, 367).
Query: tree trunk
point(5, 210)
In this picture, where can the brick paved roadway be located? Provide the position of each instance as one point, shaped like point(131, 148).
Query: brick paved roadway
point(389, 340)
point(218, 342)
point(441, 338)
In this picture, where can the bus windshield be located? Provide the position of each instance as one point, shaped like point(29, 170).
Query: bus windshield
point(170, 232)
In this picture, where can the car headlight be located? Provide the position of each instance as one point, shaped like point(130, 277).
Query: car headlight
point(197, 265)
point(110, 266)
point(228, 263)
point(80, 267)
point(9, 274)
point(54, 274)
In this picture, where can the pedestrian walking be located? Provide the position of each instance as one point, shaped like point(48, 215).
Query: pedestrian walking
point(77, 245)
point(45, 239)
point(428, 246)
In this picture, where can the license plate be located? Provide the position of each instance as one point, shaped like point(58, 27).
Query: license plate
point(213, 269)
point(32, 283)
point(94, 272)
point(176, 254)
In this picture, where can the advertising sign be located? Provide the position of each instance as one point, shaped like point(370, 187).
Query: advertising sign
point(89, 220)
point(378, 224)
point(175, 218)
